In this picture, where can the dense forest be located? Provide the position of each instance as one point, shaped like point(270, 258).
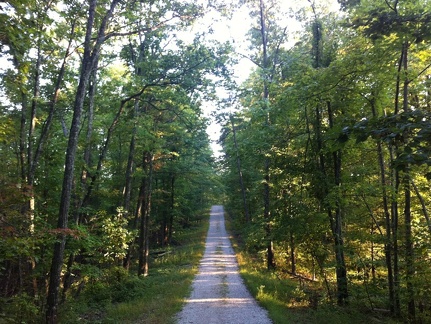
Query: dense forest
point(326, 146)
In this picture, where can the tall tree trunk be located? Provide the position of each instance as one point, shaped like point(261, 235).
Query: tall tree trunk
point(238, 164)
point(85, 172)
point(388, 243)
point(342, 291)
point(78, 218)
point(138, 212)
point(394, 225)
point(57, 259)
point(29, 192)
point(23, 137)
point(396, 181)
point(51, 107)
point(145, 215)
point(292, 253)
point(341, 272)
point(266, 183)
point(171, 208)
point(335, 216)
point(130, 163)
point(88, 62)
point(409, 253)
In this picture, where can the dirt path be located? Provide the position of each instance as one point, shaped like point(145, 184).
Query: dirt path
point(219, 295)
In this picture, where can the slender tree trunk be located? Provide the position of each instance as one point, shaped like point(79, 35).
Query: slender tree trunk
point(373, 255)
point(241, 180)
point(423, 205)
point(335, 219)
point(51, 107)
point(85, 172)
point(388, 227)
point(342, 290)
point(266, 184)
point(130, 163)
point(145, 215)
point(341, 272)
point(144, 250)
point(394, 226)
point(22, 137)
point(29, 192)
point(409, 253)
point(104, 150)
point(388, 243)
point(138, 212)
point(36, 93)
point(28, 171)
point(171, 209)
point(142, 229)
point(292, 253)
point(78, 218)
point(394, 149)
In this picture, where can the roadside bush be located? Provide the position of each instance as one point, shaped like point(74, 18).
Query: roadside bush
point(19, 309)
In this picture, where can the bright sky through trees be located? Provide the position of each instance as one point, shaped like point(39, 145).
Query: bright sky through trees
point(236, 30)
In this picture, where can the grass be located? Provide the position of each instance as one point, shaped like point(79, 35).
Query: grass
point(289, 300)
point(153, 299)
point(223, 288)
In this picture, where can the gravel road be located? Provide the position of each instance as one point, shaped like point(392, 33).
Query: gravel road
point(219, 294)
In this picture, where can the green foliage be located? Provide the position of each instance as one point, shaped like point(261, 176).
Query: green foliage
point(21, 308)
point(113, 295)
point(114, 235)
point(362, 76)
point(409, 130)
point(295, 299)
point(349, 124)
point(150, 93)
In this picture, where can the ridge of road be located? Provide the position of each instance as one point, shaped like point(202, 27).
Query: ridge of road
point(218, 292)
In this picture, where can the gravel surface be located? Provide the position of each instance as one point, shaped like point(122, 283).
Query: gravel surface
point(219, 294)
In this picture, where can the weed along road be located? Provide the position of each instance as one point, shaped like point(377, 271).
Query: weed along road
point(218, 292)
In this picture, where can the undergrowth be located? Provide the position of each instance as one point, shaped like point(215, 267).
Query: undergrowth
point(121, 297)
point(295, 299)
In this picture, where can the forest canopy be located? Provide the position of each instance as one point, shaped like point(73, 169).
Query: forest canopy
point(325, 155)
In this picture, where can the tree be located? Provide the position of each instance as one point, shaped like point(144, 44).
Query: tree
point(89, 61)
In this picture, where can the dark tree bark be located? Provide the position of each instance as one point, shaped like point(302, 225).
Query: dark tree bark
point(88, 62)
point(85, 172)
point(334, 212)
point(388, 230)
point(68, 278)
point(395, 179)
point(423, 205)
point(171, 208)
point(341, 271)
point(409, 253)
point(130, 164)
point(137, 215)
point(145, 215)
point(51, 107)
point(238, 164)
point(266, 183)
point(292, 253)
